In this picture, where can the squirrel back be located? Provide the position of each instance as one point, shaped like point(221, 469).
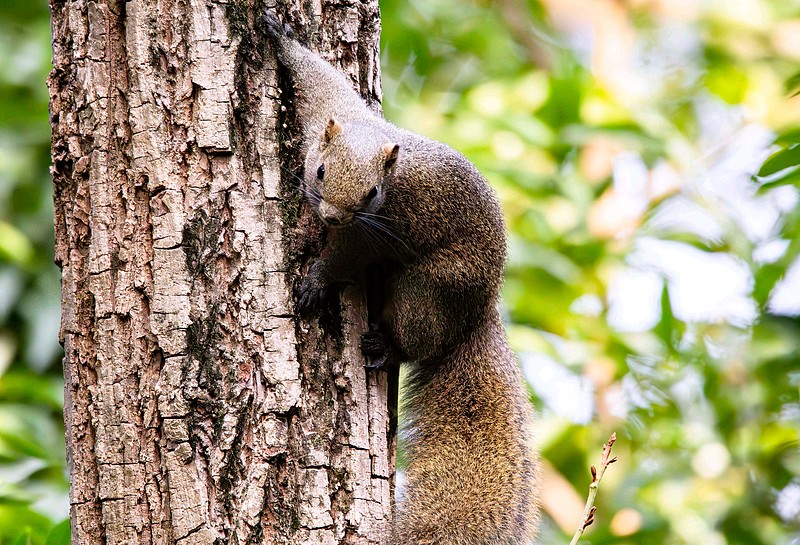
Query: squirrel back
point(325, 94)
point(393, 197)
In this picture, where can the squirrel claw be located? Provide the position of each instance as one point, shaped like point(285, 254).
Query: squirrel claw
point(310, 298)
point(273, 27)
point(313, 291)
point(373, 344)
point(376, 363)
point(375, 347)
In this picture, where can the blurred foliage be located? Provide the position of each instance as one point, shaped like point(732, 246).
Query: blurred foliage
point(33, 481)
point(646, 153)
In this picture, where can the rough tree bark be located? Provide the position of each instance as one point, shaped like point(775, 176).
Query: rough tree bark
point(198, 408)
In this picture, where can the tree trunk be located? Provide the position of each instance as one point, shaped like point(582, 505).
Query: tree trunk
point(199, 408)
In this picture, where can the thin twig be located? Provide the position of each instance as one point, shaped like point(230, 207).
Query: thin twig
point(589, 511)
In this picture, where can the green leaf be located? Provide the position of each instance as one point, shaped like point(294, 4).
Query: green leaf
point(28, 430)
point(780, 160)
point(14, 245)
point(765, 279)
point(669, 329)
point(728, 81)
point(60, 534)
point(23, 539)
point(22, 386)
point(788, 136)
point(792, 177)
point(793, 85)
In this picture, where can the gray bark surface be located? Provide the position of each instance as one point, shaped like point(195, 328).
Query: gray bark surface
point(199, 409)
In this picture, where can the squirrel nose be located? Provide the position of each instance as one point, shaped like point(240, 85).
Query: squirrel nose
point(331, 214)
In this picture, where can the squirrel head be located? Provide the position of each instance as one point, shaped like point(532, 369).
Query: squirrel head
point(346, 171)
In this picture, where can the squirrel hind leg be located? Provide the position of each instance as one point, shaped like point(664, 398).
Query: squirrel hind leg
point(424, 323)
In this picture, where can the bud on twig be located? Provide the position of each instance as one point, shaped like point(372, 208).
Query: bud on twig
point(590, 509)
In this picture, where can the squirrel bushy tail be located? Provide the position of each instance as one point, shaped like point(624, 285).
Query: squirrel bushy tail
point(427, 216)
point(472, 478)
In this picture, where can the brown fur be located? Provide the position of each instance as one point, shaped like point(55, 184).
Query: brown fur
point(431, 216)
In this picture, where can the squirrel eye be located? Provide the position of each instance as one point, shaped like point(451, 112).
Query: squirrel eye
point(321, 172)
point(372, 193)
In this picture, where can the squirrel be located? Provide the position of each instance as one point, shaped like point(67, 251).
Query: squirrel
point(390, 196)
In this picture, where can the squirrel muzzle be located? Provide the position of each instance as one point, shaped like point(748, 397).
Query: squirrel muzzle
point(332, 215)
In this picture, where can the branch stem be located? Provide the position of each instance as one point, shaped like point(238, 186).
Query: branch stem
point(589, 510)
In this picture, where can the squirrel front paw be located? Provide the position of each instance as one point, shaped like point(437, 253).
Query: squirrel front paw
point(313, 293)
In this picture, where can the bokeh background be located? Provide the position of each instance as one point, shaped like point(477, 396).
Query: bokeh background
point(646, 153)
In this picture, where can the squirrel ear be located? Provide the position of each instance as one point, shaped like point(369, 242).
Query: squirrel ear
point(332, 129)
point(390, 151)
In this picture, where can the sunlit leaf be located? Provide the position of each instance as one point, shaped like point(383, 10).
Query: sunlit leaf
point(788, 136)
point(14, 246)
